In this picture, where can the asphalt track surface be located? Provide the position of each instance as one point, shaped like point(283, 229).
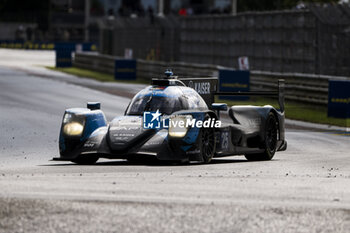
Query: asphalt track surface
point(304, 189)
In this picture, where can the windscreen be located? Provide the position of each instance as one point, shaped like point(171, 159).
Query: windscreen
point(165, 99)
point(149, 103)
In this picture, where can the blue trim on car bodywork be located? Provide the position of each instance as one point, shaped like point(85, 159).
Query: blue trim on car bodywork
point(92, 122)
point(61, 142)
point(193, 132)
point(186, 148)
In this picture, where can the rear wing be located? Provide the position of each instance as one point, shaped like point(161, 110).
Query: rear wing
point(208, 89)
point(280, 93)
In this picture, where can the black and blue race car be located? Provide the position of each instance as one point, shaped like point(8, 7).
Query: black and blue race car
point(175, 120)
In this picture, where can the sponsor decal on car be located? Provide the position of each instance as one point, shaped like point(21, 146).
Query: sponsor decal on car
point(201, 88)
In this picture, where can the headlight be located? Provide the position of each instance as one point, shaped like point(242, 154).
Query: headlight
point(73, 129)
point(179, 125)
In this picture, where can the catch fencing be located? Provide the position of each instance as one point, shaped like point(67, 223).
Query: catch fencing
point(149, 38)
point(305, 88)
point(276, 42)
point(312, 41)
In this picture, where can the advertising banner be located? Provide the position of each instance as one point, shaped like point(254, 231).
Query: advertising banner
point(339, 99)
point(39, 45)
point(125, 69)
point(63, 58)
point(234, 81)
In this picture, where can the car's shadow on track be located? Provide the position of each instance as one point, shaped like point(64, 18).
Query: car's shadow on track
point(162, 163)
point(153, 163)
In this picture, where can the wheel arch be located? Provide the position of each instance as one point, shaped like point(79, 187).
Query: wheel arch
point(277, 116)
point(212, 114)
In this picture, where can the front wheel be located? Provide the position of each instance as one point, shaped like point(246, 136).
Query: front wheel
point(207, 144)
point(270, 142)
point(86, 159)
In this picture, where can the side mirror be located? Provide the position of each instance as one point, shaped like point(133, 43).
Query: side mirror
point(218, 107)
point(94, 105)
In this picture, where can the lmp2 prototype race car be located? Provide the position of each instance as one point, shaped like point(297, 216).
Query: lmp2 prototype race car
point(172, 122)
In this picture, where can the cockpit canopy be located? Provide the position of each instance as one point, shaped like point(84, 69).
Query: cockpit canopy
point(167, 99)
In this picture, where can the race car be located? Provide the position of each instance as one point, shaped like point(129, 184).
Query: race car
point(170, 121)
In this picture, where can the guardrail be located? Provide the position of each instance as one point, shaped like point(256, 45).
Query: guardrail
point(306, 88)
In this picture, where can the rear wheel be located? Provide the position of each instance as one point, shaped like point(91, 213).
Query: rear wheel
point(207, 144)
point(270, 142)
point(86, 160)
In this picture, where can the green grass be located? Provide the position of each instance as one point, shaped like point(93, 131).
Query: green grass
point(103, 77)
point(295, 110)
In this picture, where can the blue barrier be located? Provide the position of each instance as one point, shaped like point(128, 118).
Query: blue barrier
point(18, 44)
point(234, 81)
point(125, 69)
point(339, 99)
point(39, 45)
point(63, 58)
point(64, 52)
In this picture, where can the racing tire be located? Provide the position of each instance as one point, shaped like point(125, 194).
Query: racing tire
point(270, 142)
point(86, 160)
point(207, 144)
